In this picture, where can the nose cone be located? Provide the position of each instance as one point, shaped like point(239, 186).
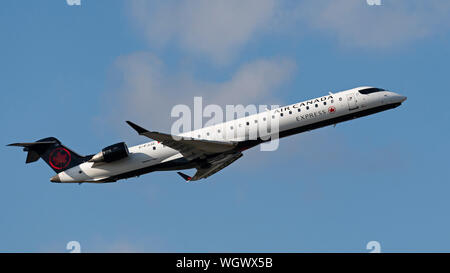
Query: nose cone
point(55, 179)
point(397, 98)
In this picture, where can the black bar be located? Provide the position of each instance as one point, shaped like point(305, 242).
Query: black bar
point(229, 262)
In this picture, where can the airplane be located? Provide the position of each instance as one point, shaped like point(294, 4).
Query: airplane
point(208, 149)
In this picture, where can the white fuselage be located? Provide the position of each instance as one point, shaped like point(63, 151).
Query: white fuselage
point(333, 107)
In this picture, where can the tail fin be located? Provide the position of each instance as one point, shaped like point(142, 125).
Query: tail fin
point(56, 155)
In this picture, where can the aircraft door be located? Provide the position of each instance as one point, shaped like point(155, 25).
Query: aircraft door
point(361, 100)
point(352, 102)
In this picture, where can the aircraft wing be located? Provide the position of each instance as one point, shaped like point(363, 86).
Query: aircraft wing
point(190, 148)
point(213, 168)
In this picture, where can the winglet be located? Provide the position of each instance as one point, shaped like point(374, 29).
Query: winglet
point(186, 177)
point(138, 128)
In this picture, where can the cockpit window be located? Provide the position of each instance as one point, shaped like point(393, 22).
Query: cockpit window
point(370, 90)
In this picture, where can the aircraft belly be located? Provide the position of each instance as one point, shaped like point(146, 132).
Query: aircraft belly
point(89, 171)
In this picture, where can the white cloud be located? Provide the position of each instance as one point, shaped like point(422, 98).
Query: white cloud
point(355, 23)
point(217, 29)
point(146, 90)
point(146, 93)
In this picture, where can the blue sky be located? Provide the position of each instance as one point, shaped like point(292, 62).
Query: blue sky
point(78, 72)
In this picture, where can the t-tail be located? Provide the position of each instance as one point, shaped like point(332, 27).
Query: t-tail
point(56, 155)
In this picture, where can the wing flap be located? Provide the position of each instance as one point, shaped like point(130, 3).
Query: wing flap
point(214, 168)
point(205, 173)
point(189, 147)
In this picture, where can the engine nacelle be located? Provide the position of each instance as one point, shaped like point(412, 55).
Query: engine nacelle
point(111, 153)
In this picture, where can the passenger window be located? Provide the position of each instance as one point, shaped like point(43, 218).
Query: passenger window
point(290, 112)
point(298, 110)
point(307, 107)
point(281, 114)
point(324, 103)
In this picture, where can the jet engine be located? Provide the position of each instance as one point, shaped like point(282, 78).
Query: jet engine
point(111, 153)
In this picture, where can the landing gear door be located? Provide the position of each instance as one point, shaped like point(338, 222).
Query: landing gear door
point(352, 102)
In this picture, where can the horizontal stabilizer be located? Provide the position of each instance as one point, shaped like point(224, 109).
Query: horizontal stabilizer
point(34, 149)
point(33, 144)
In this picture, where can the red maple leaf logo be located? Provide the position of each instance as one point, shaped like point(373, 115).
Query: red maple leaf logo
point(331, 109)
point(60, 158)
